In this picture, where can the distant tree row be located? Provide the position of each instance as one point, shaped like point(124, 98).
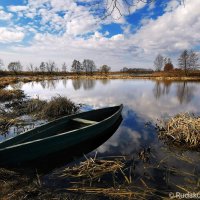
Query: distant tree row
point(188, 60)
point(49, 67)
point(136, 70)
point(88, 66)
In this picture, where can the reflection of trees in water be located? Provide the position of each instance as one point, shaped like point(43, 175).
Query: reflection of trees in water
point(86, 83)
point(51, 84)
point(166, 86)
point(43, 84)
point(161, 88)
point(157, 90)
point(104, 81)
point(64, 81)
point(185, 92)
point(76, 84)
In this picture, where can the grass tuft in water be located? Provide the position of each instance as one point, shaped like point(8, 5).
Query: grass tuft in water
point(59, 106)
point(183, 129)
point(8, 95)
point(12, 112)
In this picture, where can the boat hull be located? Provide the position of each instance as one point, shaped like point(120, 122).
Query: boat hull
point(29, 151)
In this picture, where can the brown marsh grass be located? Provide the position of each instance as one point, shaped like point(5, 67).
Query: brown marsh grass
point(11, 113)
point(183, 129)
point(58, 106)
point(8, 95)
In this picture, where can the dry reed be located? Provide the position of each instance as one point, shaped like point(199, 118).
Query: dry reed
point(8, 95)
point(56, 107)
point(93, 168)
point(59, 106)
point(182, 129)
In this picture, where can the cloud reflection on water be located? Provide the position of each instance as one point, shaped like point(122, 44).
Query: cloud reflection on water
point(143, 101)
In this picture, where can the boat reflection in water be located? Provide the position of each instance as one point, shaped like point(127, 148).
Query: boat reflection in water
point(73, 153)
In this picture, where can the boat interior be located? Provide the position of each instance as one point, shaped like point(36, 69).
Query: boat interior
point(63, 125)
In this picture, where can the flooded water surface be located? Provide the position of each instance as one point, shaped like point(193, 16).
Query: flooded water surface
point(166, 167)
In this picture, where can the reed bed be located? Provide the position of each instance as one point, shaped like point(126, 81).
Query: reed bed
point(11, 112)
point(183, 129)
point(56, 107)
point(4, 81)
point(98, 170)
point(8, 95)
point(92, 171)
point(59, 106)
point(93, 168)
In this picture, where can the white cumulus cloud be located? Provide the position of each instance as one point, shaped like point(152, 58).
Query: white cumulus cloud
point(7, 35)
point(4, 15)
point(171, 32)
point(17, 8)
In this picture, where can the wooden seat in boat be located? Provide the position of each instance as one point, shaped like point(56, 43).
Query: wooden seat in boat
point(84, 121)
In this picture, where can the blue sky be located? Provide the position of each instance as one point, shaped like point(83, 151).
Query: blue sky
point(33, 31)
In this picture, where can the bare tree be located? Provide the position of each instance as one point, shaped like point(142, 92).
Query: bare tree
point(64, 67)
point(36, 69)
point(51, 66)
point(88, 66)
point(15, 66)
point(42, 67)
point(76, 66)
point(31, 67)
point(188, 61)
point(183, 61)
point(104, 69)
point(159, 62)
point(193, 60)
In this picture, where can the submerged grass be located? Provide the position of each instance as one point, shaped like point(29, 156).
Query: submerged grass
point(89, 180)
point(90, 177)
point(93, 168)
point(182, 129)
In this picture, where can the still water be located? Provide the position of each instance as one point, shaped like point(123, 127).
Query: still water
point(144, 101)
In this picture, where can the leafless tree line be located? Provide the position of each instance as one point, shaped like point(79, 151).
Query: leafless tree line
point(187, 61)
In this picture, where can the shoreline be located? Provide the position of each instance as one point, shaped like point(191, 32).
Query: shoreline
point(6, 80)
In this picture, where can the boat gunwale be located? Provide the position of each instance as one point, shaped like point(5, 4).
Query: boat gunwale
point(68, 132)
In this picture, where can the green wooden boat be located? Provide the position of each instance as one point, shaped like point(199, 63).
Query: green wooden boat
point(55, 136)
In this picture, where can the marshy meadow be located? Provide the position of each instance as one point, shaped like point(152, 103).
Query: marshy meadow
point(152, 151)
